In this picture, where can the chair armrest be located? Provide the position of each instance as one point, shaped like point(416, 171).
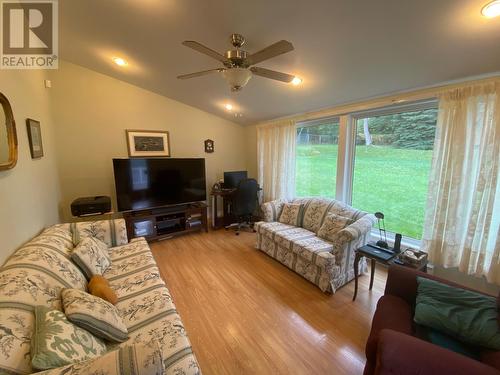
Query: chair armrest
point(272, 210)
point(404, 354)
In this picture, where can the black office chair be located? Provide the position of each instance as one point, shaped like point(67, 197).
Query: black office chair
point(243, 204)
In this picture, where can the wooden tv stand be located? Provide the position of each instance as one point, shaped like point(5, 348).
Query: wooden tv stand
point(161, 223)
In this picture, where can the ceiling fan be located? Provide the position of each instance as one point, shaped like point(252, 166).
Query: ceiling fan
point(238, 68)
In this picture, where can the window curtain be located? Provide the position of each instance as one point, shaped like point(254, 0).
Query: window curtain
point(462, 224)
point(276, 159)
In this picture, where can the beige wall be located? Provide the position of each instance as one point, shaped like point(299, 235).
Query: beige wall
point(92, 112)
point(29, 193)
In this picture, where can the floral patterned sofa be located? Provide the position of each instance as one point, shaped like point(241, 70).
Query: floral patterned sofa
point(36, 273)
point(329, 265)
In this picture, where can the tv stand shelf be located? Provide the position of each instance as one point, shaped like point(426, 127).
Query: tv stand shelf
point(166, 222)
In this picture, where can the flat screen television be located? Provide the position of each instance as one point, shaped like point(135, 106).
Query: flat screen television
point(149, 183)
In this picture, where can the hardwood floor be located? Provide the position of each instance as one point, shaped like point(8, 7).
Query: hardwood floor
point(245, 313)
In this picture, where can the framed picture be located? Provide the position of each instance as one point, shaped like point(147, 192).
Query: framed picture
point(35, 138)
point(147, 143)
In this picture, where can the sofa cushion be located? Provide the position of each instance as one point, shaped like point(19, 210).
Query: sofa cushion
point(332, 224)
point(128, 359)
point(316, 209)
point(94, 314)
point(91, 256)
point(291, 214)
point(466, 315)
point(392, 313)
point(270, 229)
point(271, 211)
point(111, 232)
point(58, 342)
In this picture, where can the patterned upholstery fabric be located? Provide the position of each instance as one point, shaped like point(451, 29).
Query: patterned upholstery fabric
point(130, 359)
point(329, 264)
point(91, 256)
point(143, 299)
point(271, 211)
point(111, 232)
point(58, 342)
point(291, 214)
point(332, 225)
point(94, 314)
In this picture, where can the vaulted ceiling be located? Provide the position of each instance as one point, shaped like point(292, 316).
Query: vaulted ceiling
point(345, 50)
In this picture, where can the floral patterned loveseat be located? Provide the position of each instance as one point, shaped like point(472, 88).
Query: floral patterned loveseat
point(36, 273)
point(329, 265)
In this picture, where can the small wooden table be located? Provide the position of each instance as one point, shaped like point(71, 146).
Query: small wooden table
point(375, 255)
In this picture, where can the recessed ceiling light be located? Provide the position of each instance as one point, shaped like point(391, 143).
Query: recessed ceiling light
point(296, 81)
point(491, 9)
point(228, 106)
point(119, 61)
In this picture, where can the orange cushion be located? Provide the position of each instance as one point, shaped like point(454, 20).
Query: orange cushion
point(99, 287)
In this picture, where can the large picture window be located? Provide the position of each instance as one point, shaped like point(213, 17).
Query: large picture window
point(392, 162)
point(316, 163)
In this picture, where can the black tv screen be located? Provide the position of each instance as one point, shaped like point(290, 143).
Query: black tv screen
point(149, 183)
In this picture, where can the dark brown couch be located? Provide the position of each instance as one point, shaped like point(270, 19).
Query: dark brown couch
point(393, 348)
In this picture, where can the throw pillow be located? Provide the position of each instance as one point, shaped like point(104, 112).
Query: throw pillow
point(91, 255)
point(291, 214)
point(332, 225)
point(468, 316)
point(94, 314)
point(58, 342)
point(128, 359)
point(99, 287)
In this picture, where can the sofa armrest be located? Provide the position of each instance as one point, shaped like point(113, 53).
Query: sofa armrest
point(398, 353)
point(272, 210)
point(356, 233)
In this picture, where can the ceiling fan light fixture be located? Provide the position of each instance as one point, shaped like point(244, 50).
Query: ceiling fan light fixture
point(492, 9)
point(237, 77)
point(296, 81)
point(228, 106)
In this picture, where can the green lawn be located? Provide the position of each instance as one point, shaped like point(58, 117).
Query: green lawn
point(390, 180)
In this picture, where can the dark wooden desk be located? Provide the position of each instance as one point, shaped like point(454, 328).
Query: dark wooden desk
point(226, 219)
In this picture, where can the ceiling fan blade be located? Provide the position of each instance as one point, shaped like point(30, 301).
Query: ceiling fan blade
point(205, 50)
point(272, 74)
point(202, 73)
point(273, 50)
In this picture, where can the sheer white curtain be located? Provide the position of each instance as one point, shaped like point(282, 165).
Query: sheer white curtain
point(276, 159)
point(462, 226)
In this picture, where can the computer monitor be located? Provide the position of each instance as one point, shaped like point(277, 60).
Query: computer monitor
point(232, 179)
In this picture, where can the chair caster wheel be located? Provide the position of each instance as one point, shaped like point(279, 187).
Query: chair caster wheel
point(254, 231)
point(237, 233)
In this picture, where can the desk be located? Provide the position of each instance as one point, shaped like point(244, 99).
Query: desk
point(381, 256)
point(226, 219)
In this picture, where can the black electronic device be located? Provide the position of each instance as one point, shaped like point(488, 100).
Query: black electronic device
point(87, 206)
point(232, 179)
point(145, 183)
point(397, 243)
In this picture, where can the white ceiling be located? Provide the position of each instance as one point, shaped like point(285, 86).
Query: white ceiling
point(346, 50)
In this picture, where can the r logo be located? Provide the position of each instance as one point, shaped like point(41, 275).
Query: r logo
point(29, 34)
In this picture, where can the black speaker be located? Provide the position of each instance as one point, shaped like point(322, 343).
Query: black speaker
point(397, 243)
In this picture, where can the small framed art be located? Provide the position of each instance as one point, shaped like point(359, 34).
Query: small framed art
point(35, 138)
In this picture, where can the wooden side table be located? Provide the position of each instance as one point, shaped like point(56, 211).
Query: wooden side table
point(375, 255)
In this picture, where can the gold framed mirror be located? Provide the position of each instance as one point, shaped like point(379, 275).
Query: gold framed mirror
point(8, 136)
